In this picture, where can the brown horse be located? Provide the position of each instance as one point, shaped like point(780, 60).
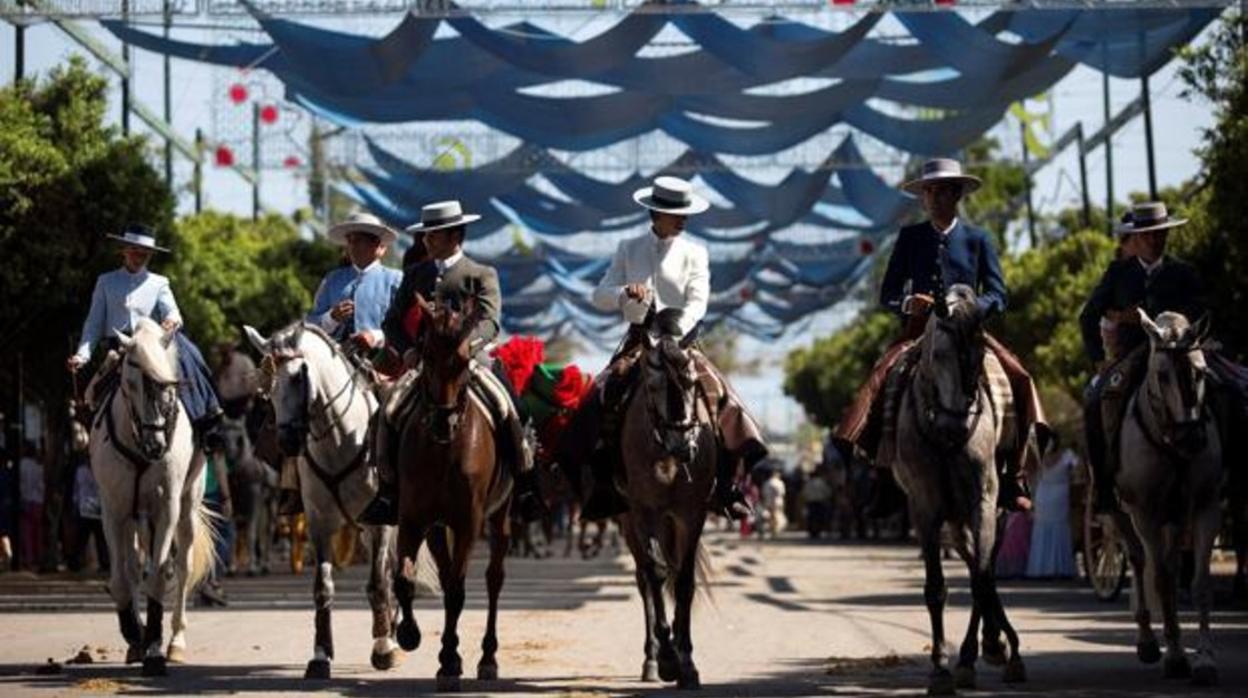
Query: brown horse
point(668, 448)
point(450, 480)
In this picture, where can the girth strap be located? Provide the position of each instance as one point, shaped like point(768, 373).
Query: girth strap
point(333, 481)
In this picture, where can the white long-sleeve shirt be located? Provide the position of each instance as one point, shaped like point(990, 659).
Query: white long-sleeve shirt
point(676, 271)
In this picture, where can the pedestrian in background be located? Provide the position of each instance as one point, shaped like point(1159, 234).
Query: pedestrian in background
point(32, 491)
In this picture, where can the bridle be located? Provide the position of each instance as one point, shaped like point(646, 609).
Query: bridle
point(1160, 428)
point(928, 407)
point(166, 406)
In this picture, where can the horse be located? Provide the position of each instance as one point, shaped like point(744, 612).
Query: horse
point(254, 479)
point(145, 461)
point(668, 449)
point(323, 409)
point(451, 487)
point(1169, 482)
point(943, 453)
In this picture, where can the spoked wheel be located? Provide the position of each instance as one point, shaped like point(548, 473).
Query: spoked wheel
point(1104, 554)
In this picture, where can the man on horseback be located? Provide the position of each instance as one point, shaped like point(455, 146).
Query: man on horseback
point(120, 298)
point(451, 278)
point(927, 259)
point(350, 305)
point(661, 280)
point(1149, 280)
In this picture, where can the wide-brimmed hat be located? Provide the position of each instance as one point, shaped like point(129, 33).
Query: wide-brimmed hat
point(139, 235)
point(942, 170)
point(1150, 215)
point(361, 222)
point(671, 195)
point(442, 214)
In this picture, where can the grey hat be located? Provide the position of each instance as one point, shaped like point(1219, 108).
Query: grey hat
point(442, 214)
point(942, 170)
point(671, 195)
point(1150, 215)
point(139, 235)
point(361, 222)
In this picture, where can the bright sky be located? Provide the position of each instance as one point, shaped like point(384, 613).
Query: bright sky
point(1178, 124)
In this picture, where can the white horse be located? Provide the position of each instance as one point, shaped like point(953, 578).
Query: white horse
point(323, 407)
point(145, 462)
point(1170, 482)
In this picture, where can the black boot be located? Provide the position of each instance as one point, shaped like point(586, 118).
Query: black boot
point(1012, 493)
point(604, 500)
point(384, 509)
point(527, 497)
point(289, 503)
point(729, 500)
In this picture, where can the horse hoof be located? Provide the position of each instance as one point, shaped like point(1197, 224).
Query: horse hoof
point(487, 672)
point(1015, 671)
point(995, 654)
point(175, 655)
point(964, 677)
point(134, 654)
point(1206, 675)
point(448, 684)
point(408, 635)
point(1176, 667)
point(669, 670)
point(940, 683)
point(385, 662)
point(318, 670)
point(155, 666)
point(1148, 652)
point(650, 671)
point(689, 680)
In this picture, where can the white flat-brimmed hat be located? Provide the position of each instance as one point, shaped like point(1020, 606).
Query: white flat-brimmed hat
point(441, 214)
point(671, 195)
point(361, 222)
point(138, 235)
point(1150, 215)
point(942, 170)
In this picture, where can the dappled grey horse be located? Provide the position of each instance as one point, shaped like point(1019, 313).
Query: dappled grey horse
point(1169, 482)
point(943, 452)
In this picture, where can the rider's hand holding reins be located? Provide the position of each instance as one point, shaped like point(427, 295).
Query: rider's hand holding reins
point(74, 363)
point(917, 304)
point(636, 291)
point(342, 310)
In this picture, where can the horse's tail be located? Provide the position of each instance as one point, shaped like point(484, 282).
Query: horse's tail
point(703, 572)
point(204, 538)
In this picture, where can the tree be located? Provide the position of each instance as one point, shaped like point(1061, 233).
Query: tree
point(823, 377)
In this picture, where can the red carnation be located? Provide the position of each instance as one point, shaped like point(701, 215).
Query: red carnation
point(572, 387)
point(520, 357)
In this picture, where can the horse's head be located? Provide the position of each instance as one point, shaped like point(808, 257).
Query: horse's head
point(237, 444)
point(290, 358)
point(445, 361)
point(669, 379)
point(149, 384)
point(951, 364)
point(1175, 384)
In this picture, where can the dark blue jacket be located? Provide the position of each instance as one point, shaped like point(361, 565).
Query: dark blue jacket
point(932, 262)
point(1174, 287)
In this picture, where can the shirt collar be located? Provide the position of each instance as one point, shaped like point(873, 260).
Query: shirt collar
point(662, 243)
point(944, 233)
point(444, 264)
point(375, 263)
point(134, 274)
point(1150, 268)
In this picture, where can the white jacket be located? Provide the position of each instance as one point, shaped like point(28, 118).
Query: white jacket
point(676, 272)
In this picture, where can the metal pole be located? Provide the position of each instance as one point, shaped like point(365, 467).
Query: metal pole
point(125, 81)
point(199, 171)
point(19, 51)
point(255, 161)
point(168, 12)
point(1148, 139)
point(1031, 212)
point(1083, 177)
point(1109, 159)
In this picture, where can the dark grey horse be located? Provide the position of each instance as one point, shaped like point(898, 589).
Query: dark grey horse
point(943, 453)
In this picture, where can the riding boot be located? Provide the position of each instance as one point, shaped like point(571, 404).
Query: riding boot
point(383, 510)
point(604, 499)
point(526, 495)
point(729, 499)
point(289, 499)
point(1012, 491)
point(1103, 501)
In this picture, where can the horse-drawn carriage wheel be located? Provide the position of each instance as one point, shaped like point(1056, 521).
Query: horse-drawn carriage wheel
point(1104, 554)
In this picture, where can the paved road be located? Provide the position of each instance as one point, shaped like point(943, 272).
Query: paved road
point(784, 618)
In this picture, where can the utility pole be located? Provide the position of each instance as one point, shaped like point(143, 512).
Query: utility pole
point(1109, 158)
point(198, 175)
point(168, 12)
point(255, 161)
point(19, 48)
point(125, 79)
point(1083, 176)
point(1148, 138)
point(1031, 211)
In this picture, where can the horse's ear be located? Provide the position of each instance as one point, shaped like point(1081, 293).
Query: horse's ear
point(1149, 326)
point(257, 340)
point(126, 340)
point(1200, 331)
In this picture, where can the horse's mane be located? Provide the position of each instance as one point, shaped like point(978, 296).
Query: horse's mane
point(154, 358)
point(287, 339)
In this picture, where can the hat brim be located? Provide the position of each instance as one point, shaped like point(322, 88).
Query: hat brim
point(339, 232)
point(969, 183)
point(423, 228)
point(1165, 225)
point(696, 205)
point(131, 243)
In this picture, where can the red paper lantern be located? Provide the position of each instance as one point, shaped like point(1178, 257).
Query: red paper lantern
point(268, 114)
point(866, 247)
point(746, 293)
point(238, 93)
point(224, 156)
point(946, 2)
point(291, 162)
point(843, 2)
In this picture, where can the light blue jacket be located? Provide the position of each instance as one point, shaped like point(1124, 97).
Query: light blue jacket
point(372, 289)
point(119, 300)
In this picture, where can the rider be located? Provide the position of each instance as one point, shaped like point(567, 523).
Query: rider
point(665, 277)
point(350, 304)
point(452, 278)
point(120, 298)
point(1145, 277)
point(928, 258)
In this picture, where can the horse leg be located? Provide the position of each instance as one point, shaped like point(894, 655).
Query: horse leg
point(681, 625)
point(404, 583)
point(1146, 648)
point(500, 529)
point(940, 681)
point(154, 663)
point(1204, 530)
point(386, 653)
point(323, 596)
point(451, 665)
point(176, 652)
point(650, 667)
point(1162, 554)
point(119, 534)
